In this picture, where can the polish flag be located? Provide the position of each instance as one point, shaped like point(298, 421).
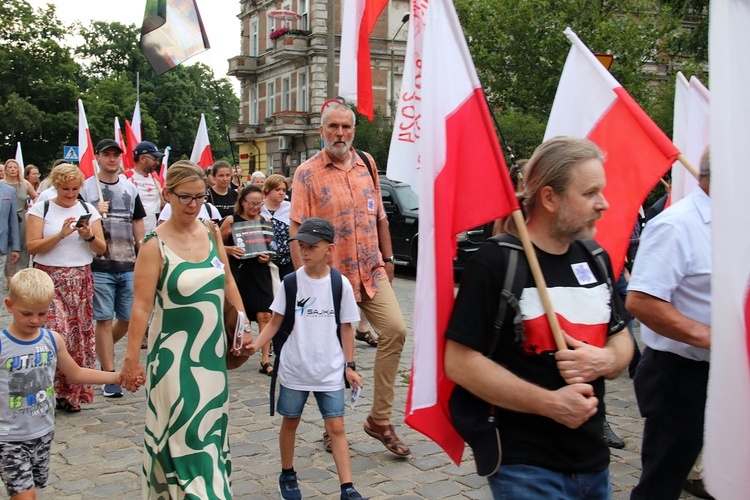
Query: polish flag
point(86, 160)
point(126, 160)
point(690, 133)
point(591, 104)
point(136, 124)
point(201, 154)
point(162, 177)
point(726, 449)
point(457, 142)
point(131, 141)
point(19, 158)
point(355, 71)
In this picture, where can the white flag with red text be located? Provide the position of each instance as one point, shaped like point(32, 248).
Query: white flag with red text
point(86, 160)
point(201, 154)
point(457, 142)
point(355, 70)
point(690, 133)
point(591, 104)
point(726, 448)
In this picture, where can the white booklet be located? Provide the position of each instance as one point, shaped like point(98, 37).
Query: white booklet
point(239, 331)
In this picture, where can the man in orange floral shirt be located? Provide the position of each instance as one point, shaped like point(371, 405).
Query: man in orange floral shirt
point(336, 185)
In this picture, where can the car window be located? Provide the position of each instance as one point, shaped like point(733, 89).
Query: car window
point(409, 199)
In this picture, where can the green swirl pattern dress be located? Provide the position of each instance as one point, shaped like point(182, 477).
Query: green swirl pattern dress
point(186, 441)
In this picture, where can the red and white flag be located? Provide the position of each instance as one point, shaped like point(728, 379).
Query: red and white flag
point(726, 449)
point(86, 160)
point(136, 124)
point(690, 133)
point(457, 142)
point(355, 71)
point(126, 160)
point(591, 104)
point(131, 141)
point(19, 158)
point(162, 176)
point(201, 154)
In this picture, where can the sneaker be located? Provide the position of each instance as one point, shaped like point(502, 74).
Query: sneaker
point(349, 493)
point(111, 391)
point(288, 486)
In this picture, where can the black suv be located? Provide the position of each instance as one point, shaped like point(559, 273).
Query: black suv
point(401, 205)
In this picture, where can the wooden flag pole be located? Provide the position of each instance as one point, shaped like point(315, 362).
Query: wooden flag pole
point(689, 166)
point(98, 183)
point(541, 284)
point(666, 184)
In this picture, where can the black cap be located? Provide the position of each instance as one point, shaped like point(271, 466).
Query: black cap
point(315, 229)
point(147, 148)
point(107, 144)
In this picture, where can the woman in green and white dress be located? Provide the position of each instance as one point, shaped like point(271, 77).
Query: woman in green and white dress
point(182, 276)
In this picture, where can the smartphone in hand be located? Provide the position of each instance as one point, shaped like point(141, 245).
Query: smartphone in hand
point(83, 219)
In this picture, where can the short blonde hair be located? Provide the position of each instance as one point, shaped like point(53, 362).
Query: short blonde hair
point(273, 181)
point(65, 173)
point(31, 285)
point(183, 171)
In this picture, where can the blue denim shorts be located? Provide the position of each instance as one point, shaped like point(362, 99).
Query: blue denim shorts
point(113, 295)
point(291, 402)
point(521, 482)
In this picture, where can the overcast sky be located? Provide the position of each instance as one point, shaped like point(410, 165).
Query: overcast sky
point(219, 19)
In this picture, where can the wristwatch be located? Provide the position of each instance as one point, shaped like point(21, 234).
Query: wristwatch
point(390, 259)
point(89, 240)
point(247, 328)
point(352, 365)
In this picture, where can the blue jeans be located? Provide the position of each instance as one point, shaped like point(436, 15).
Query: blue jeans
point(113, 295)
point(527, 482)
point(291, 402)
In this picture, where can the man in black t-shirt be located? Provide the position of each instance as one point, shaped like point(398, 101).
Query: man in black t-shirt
point(549, 403)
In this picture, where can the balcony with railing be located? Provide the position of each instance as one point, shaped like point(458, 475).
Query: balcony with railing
point(289, 44)
point(243, 66)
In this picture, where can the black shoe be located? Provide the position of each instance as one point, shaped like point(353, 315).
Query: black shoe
point(696, 488)
point(611, 438)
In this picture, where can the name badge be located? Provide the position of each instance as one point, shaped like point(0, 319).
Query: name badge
point(217, 263)
point(583, 273)
point(371, 205)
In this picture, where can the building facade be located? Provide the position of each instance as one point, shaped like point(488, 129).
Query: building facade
point(283, 74)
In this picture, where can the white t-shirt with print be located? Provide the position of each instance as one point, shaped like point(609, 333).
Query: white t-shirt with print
point(72, 251)
point(150, 198)
point(312, 358)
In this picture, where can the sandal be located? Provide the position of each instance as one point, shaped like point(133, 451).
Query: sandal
point(366, 337)
point(64, 404)
point(386, 434)
point(264, 368)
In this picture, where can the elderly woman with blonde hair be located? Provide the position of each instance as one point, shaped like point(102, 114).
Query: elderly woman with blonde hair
point(63, 234)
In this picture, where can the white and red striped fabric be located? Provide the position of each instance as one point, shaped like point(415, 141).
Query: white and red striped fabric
point(591, 104)
point(162, 176)
point(690, 133)
point(355, 70)
point(201, 154)
point(126, 160)
point(86, 160)
point(136, 124)
point(463, 182)
point(726, 450)
point(131, 141)
point(19, 158)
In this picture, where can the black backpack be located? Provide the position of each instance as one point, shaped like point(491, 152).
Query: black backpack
point(290, 291)
point(474, 418)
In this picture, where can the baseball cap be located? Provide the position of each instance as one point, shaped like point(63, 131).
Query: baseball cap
point(315, 229)
point(107, 144)
point(147, 148)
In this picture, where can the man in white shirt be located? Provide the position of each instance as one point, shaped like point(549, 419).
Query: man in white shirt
point(147, 158)
point(670, 293)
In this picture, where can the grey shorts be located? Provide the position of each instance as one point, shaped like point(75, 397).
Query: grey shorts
point(25, 464)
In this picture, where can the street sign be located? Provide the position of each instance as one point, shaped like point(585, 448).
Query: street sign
point(70, 153)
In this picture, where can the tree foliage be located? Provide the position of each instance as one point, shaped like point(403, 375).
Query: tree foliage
point(44, 78)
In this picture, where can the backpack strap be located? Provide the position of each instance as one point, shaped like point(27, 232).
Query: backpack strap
point(366, 161)
point(515, 271)
point(596, 251)
point(46, 207)
point(290, 291)
point(337, 287)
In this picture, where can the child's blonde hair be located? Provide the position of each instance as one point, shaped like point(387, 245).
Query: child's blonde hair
point(32, 286)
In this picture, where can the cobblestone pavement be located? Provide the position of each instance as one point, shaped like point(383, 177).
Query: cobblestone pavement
point(97, 452)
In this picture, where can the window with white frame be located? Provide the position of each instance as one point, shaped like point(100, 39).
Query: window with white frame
point(271, 25)
point(271, 97)
point(254, 105)
point(286, 23)
point(254, 45)
point(302, 10)
point(286, 93)
point(302, 91)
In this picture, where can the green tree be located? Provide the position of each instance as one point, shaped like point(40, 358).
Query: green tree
point(374, 137)
point(38, 90)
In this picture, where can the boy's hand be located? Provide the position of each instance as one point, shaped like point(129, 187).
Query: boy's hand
point(353, 378)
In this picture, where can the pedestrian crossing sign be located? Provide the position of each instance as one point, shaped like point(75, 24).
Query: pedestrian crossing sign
point(70, 153)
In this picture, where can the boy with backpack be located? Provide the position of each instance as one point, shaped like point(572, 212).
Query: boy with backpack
point(313, 358)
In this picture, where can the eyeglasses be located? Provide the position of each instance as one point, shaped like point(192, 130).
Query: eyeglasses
point(254, 203)
point(186, 199)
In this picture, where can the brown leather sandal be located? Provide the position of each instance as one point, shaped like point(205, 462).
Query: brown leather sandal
point(386, 434)
point(366, 337)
